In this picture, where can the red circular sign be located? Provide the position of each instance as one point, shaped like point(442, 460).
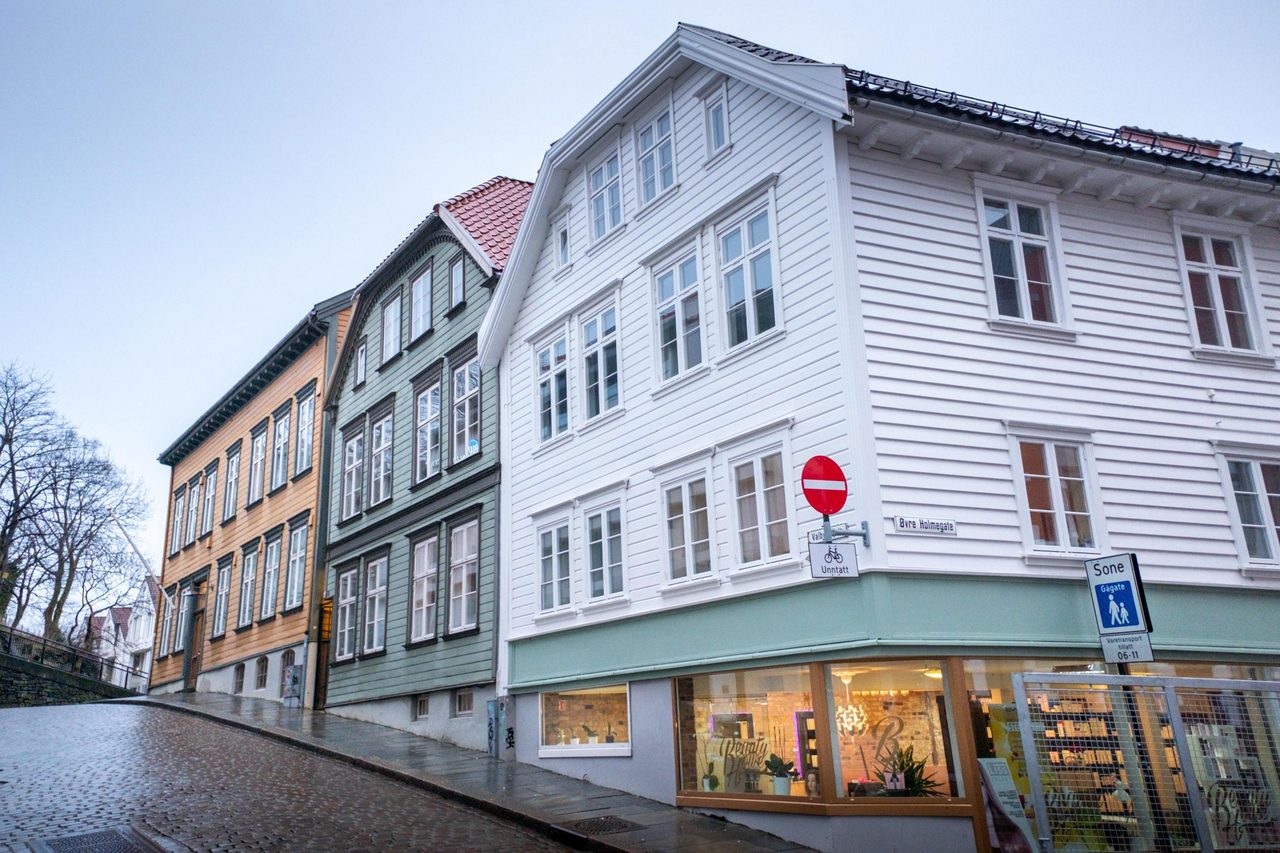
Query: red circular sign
point(824, 485)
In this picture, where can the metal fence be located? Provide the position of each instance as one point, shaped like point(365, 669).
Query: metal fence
point(1139, 763)
point(50, 653)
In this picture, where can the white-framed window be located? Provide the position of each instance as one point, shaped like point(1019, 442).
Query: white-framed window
point(222, 593)
point(362, 360)
point(553, 389)
point(179, 519)
point(466, 409)
point(1255, 485)
point(600, 380)
point(248, 577)
point(421, 706)
point(210, 500)
point(427, 439)
point(166, 622)
point(380, 461)
point(297, 567)
point(257, 465)
point(1055, 493)
point(457, 281)
point(553, 559)
point(184, 614)
point(306, 434)
point(232, 486)
point(391, 328)
point(464, 576)
point(562, 249)
point(463, 702)
point(656, 159)
point(747, 272)
point(685, 508)
point(679, 316)
point(353, 475)
point(345, 615)
point(193, 511)
point(1020, 247)
point(280, 452)
point(603, 541)
point(1217, 281)
point(715, 107)
point(420, 310)
point(422, 608)
point(375, 606)
point(592, 721)
point(761, 507)
point(270, 578)
point(604, 195)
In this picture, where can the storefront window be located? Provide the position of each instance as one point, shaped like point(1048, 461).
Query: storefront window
point(748, 733)
point(892, 729)
point(594, 721)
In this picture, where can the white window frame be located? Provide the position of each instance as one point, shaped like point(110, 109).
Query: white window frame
point(232, 485)
point(560, 562)
point(716, 94)
point(464, 578)
point(374, 612)
point(562, 243)
point(296, 568)
point(352, 495)
point(362, 363)
point(381, 459)
point(585, 748)
point(609, 590)
point(270, 578)
point(1254, 456)
point(548, 378)
point(391, 323)
point(257, 465)
point(194, 500)
point(180, 627)
point(424, 593)
point(677, 302)
point(426, 450)
point(755, 455)
point(457, 281)
point(600, 164)
point(1045, 200)
point(420, 304)
point(1207, 229)
point(248, 584)
point(683, 481)
point(653, 152)
point(167, 619)
point(1082, 439)
point(346, 598)
point(179, 520)
point(597, 350)
point(421, 706)
point(210, 500)
point(280, 451)
point(305, 441)
point(466, 405)
point(222, 593)
point(464, 702)
point(740, 222)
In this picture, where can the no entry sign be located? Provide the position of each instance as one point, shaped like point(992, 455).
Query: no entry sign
point(824, 485)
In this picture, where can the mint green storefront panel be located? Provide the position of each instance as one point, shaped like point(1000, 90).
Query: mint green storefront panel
point(885, 615)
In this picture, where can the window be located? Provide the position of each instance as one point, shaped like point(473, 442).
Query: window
point(286, 660)
point(345, 617)
point(193, 511)
point(237, 685)
point(463, 702)
point(306, 433)
point(746, 268)
point(688, 529)
point(380, 461)
point(222, 592)
point(553, 389)
point(210, 492)
point(604, 553)
point(280, 451)
point(464, 590)
point(293, 578)
point(466, 410)
point(421, 706)
point(427, 437)
point(716, 111)
point(166, 623)
point(260, 674)
point(257, 463)
point(656, 157)
point(562, 252)
point(361, 362)
point(248, 577)
point(420, 310)
point(184, 614)
point(1020, 260)
point(179, 517)
point(679, 317)
point(1216, 279)
point(553, 554)
point(375, 605)
point(391, 328)
point(457, 293)
point(1056, 494)
point(426, 567)
point(1257, 492)
point(270, 578)
point(595, 720)
point(353, 475)
point(604, 188)
point(760, 497)
point(232, 486)
point(600, 362)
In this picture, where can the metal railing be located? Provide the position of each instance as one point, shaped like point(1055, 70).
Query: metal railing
point(18, 643)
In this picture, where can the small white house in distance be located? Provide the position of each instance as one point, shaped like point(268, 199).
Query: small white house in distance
point(1028, 342)
point(140, 634)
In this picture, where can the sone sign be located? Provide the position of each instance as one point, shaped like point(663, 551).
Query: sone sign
point(1120, 608)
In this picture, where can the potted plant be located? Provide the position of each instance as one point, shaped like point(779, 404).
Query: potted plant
point(782, 772)
point(710, 781)
point(592, 737)
point(573, 739)
point(608, 735)
point(902, 764)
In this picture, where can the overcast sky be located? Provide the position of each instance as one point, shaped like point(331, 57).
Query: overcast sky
point(180, 181)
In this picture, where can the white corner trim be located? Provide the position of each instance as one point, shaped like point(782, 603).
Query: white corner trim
point(468, 242)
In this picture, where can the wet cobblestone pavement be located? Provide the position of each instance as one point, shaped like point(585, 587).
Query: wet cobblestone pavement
point(73, 769)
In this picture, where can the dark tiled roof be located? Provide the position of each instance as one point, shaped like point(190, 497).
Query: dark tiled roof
point(769, 53)
point(120, 616)
point(95, 626)
point(491, 214)
point(153, 587)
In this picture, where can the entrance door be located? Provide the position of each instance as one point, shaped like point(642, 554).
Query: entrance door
point(322, 654)
point(195, 650)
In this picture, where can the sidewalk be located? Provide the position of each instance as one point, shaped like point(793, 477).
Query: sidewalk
point(529, 795)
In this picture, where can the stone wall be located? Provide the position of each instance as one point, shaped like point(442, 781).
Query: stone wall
point(24, 683)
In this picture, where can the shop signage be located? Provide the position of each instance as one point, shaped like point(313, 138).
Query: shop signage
point(825, 487)
point(920, 524)
point(1120, 608)
point(832, 559)
point(1008, 815)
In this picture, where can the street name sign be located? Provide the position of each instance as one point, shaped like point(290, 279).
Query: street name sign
point(920, 524)
point(1120, 608)
point(825, 487)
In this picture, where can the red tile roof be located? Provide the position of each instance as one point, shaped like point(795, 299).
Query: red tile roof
point(491, 214)
point(120, 616)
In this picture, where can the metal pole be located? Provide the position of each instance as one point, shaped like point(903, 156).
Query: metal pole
point(1190, 782)
point(1032, 758)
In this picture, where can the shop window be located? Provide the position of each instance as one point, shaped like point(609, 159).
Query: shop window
point(595, 721)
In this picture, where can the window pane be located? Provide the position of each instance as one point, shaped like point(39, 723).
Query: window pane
point(731, 245)
point(1006, 280)
point(669, 347)
point(762, 283)
point(594, 716)
point(1193, 248)
point(758, 229)
point(1029, 220)
point(1033, 461)
point(667, 285)
point(1224, 253)
point(1036, 261)
point(997, 214)
point(692, 331)
point(1234, 312)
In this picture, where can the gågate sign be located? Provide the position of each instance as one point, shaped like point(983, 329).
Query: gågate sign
point(1120, 608)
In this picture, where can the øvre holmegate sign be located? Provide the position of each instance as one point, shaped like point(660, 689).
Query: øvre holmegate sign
point(824, 485)
point(1120, 608)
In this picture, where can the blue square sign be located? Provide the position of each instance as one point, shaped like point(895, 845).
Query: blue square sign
point(1118, 606)
point(1117, 594)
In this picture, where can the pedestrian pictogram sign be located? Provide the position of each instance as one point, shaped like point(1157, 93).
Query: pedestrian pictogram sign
point(824, 485)
point(1120, 608)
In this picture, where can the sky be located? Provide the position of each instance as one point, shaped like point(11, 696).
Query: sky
point(180, 182)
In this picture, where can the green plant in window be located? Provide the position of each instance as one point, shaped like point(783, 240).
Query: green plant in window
point(590, 731)
point(777, 768)
point(915, 782)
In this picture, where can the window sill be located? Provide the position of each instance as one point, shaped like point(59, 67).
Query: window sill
point(714, 159)
point(354, 388)
point(456, 310)
point(1061, 560)
point(218, 638)
point(613, 414)
point(562, 272)
point(240, 629)
point(464, 461)
point(1270, 571)
point(304, 472)
point(709, 581)
point(1024, 329)
point(657, 201)
point(275, 490)
point(252, 504)
point(227, 520)
point(389, 362)
point(468, 631)
point(758, 570)
point(605, 604)
point(204, 536)
point(1243, 359)
point(606, 239)
point(342, 661)
point(266, 619)
point(743, 350)
point(349, 520)
point(418, 644)
point(680, 380)
point(427, 481)
point(562, 614)
point(586, 750)
point(413, 344)
point(562, 438)
point(377, 653)
point(374, 507)
point(290, 610)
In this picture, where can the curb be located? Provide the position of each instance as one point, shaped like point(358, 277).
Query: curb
point(554, 831)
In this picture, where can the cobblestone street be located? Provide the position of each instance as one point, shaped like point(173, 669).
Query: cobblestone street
point(68, 770)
